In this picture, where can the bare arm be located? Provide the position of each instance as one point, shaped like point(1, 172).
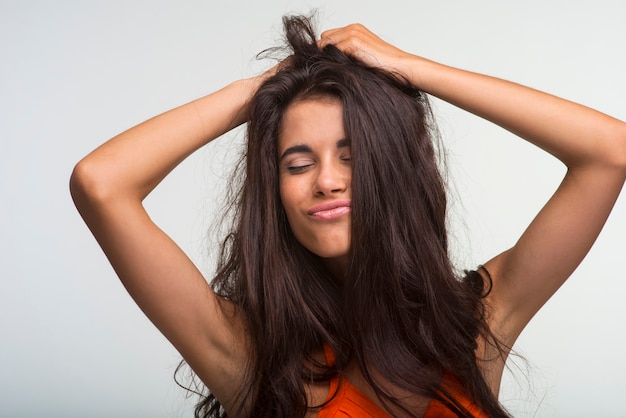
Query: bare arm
point(108, 187)
point(592, 146)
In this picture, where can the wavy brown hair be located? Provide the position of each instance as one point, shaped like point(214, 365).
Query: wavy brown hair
point(401, 312)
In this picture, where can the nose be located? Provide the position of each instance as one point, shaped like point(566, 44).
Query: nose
point(333, 177)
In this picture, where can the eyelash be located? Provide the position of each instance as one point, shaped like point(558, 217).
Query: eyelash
point(295, 169)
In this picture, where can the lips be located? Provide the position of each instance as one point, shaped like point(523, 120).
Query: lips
point(330, 210)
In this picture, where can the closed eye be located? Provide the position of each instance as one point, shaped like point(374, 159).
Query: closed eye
point(298, 164)
point(345, 157)
point(343, 145)
point(297, 168)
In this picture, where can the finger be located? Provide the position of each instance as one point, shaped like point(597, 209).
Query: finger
point(329, 32)
point(333, 31)
point(328, 37)
point(340, 38)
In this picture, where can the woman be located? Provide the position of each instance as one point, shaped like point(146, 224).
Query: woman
point(335, 293)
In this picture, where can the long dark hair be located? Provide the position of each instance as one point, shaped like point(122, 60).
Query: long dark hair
point(401, 311)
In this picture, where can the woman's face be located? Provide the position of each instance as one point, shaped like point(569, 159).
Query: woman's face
point(315, 174)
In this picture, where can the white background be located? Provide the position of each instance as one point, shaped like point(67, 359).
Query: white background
point(75, 73)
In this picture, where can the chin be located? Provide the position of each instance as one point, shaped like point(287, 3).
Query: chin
point(331, 252)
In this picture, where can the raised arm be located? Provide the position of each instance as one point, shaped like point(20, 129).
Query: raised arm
point(108, 187)
point(592, 146)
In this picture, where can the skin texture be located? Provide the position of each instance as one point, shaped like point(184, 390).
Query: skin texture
point(109, 185)
point(316, 171)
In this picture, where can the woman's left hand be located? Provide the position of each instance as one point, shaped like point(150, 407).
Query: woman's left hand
point(359, 42)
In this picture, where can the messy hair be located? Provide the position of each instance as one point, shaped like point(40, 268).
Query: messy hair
point(401, 312)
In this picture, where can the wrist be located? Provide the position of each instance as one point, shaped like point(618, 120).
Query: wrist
point(419, 71)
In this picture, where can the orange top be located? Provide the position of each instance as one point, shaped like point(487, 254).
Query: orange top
point(350, 402)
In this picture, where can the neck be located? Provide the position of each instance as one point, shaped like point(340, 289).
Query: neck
point(337, 267)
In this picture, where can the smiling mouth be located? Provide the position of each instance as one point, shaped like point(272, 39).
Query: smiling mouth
point(330, 210)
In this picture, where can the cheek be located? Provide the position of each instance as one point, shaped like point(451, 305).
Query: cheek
point(292, 198)
point(283, 193)
point(288, 197)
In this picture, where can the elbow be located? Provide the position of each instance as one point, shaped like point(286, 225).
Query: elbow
point(619, 148)
point(622, 141)
point(612, 149)
point(80, 185)
point(86, 185)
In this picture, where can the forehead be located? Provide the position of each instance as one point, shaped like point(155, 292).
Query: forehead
point(310, 121)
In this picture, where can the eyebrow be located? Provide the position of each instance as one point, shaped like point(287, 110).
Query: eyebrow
point(342, 143)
